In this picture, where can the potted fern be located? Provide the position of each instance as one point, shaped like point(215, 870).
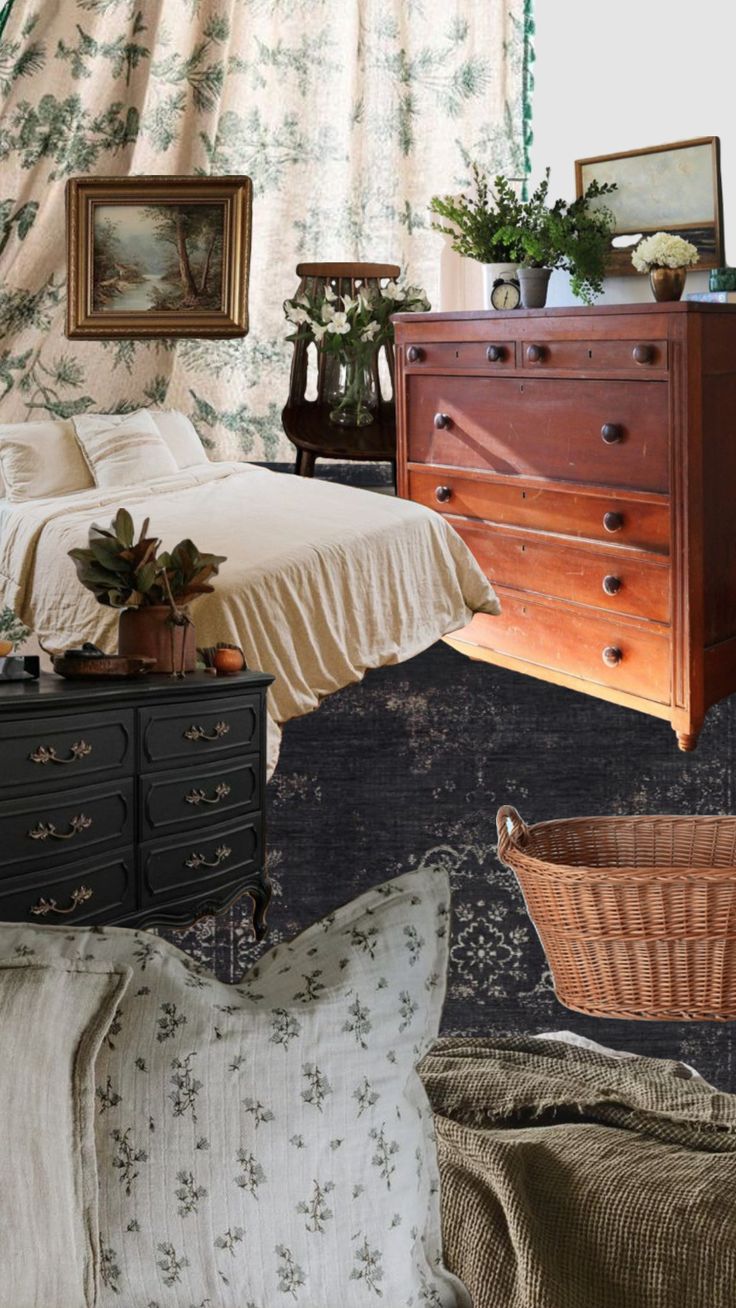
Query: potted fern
point(573, 235)
point(482, 226)
point(152, 590)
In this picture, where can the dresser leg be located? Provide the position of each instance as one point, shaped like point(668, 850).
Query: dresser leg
point(687, 741)
point(305, 461)
point(261, 896)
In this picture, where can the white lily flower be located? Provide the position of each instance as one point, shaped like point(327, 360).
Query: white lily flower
point(392, 291)
point(365, 297)
point(302, 299)
point(348, 303)
point(340, 324)
point(296, 314)
point(369, 332)
point(318, 330)
point(328, 312)
point(329, 293)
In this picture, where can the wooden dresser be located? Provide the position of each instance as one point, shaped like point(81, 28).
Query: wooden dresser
point(588, 459)
point(132, 802)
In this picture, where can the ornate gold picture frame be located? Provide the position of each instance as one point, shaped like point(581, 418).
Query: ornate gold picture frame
point(158, 256)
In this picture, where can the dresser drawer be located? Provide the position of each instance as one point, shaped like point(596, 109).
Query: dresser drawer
point(619, 581)
point(593, 355)
point(609, 433)
point(455, 356)
point(60, 825)
point(60, 750)
point(642, 522)
point(190, 796)
point(177, 868)
point(202, 730)
point(100, 889)
point(573, 640)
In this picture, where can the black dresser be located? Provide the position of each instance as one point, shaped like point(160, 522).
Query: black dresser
point(132, 802)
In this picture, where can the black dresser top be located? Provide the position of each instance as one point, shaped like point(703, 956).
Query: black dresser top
point(52, 692)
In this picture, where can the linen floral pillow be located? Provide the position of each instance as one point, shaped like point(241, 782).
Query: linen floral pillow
point(271, 1142)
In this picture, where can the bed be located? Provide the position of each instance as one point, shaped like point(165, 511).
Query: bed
point(321, 583)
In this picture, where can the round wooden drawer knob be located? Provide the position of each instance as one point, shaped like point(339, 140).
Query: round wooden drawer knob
point(611, 656)
point(643, 353)
point(613, 521)
point(442, 420)
point(612, 585)
point(495, 353)
point(443, 494)
point(414, 354)
point(611, 433)
point(534, 353)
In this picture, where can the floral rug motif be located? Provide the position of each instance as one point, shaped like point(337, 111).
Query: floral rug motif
point(408, 768)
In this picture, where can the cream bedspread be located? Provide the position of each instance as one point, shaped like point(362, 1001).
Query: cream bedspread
point(321, 582)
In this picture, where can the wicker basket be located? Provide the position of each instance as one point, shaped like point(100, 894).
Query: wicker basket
point(637, 915)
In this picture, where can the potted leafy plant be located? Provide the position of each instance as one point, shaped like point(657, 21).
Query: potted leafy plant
point(475, 222)
point(13, 632)
point(151, 589)
point(574, 235)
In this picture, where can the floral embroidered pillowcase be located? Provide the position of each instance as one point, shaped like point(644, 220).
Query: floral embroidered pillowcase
point(271, 1142)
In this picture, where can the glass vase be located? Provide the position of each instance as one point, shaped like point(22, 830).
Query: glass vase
point(351, 390)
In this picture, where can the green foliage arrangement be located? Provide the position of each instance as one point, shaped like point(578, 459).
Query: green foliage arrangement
point(474, 222)
point(573, 235)
point(493, 225)
point(12, 629)
point(123, 572)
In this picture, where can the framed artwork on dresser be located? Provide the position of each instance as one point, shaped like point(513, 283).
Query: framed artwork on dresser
point(672, 188)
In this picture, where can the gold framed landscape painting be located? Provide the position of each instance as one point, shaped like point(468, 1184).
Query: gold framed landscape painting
point(158, 256)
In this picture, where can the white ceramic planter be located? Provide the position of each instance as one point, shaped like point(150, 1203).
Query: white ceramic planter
point(491, 274)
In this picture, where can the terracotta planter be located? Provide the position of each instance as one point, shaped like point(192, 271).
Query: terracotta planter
point(667, 283)
point(534, 283)
point(150, 631)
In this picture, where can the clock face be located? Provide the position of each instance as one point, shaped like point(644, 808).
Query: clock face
point(506, 295)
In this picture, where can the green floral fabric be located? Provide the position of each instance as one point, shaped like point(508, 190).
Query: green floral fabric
point(271, 1143)
point(347, 114)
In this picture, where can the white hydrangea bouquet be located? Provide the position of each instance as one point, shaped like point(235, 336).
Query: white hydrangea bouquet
point(663, 250)
point(350, 329)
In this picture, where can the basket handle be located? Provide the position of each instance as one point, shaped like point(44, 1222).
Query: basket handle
point(511, 828)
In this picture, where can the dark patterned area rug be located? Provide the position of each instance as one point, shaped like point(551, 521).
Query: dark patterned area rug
point(408, 769)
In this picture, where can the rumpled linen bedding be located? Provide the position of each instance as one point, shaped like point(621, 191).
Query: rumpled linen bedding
point(322, 581)
point(571, 1179)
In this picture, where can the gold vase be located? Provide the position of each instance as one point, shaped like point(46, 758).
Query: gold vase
point(667, 283)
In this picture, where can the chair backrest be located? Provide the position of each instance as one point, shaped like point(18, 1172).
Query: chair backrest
point(344, 279)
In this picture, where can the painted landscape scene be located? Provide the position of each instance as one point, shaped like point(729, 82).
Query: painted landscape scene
point(158, 257)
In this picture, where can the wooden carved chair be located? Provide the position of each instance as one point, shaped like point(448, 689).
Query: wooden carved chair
point(306, 422)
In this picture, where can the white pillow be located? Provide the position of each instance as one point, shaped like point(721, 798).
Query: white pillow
point(38, 459)
point(271, 1142)
point(123, 449)
point(181, 437)
point(53, 1017)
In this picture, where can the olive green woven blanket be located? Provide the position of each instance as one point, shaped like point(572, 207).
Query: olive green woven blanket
point(571, 1179)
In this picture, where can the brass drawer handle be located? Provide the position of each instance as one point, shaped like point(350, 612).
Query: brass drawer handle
point(611, 656)
point(47, 753)
point(79, 896)
point(195, 861)
point(198, 733)
point(47, 830)
point(198, 796)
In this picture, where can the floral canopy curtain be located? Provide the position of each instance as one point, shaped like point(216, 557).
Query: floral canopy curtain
point(347, 114)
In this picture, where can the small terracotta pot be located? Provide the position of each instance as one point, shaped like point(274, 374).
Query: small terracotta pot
point(228, 661)
point(150, 631)
point(667, 283)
